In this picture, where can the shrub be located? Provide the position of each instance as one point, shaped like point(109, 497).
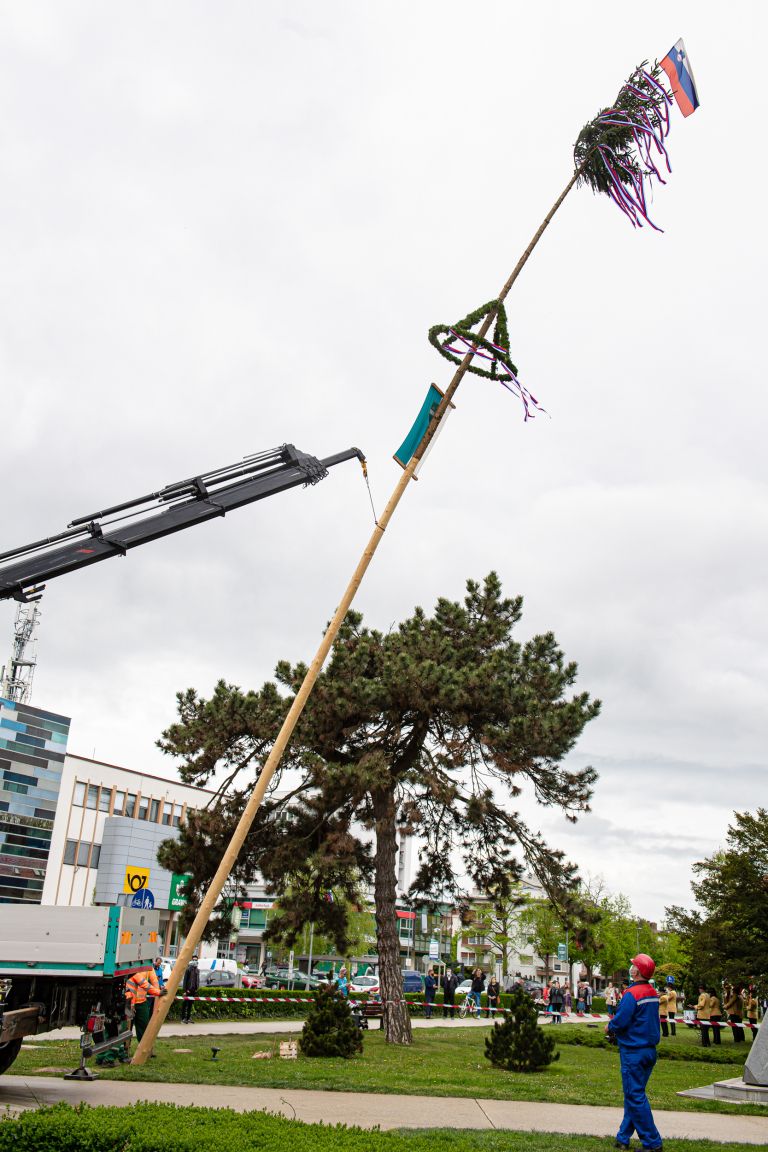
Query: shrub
point(519, 1044)
point(330, 1029)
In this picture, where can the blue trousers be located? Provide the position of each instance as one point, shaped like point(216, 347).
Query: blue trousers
point(636, 1067)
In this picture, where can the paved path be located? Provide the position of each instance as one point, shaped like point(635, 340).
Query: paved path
point(384, 1111)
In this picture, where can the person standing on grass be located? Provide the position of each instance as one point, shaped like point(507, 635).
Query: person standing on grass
point(702, 1015)
point(732, 1005)
point(749, 1000)
point(672, 1005)
point(141, 989)
point(635, 1028)
point(567, 998)
point(715, 1014)
point(430, 988)
point(663, 1011)
point(610, 999)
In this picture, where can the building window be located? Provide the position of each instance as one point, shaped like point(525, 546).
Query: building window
point(143, 807)
point(95, 853)
point(92, 798)
point(82, 854)
point(119, 807)
point(177, 810)
point(104, 799)
point(130, 805)
point(70, 851)
point(79, 797)
point(167, 812)
point(154, 811)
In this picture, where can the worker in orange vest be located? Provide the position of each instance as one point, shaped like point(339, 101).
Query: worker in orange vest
point(140, 991)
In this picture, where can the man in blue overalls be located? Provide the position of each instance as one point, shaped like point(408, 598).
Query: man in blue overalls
point(636, 1029)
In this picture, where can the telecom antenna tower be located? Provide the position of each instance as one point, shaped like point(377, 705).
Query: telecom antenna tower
point(16, 677)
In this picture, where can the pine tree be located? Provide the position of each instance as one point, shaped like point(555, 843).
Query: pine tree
point(433, 729)
point(519, 1044)
point(330, 1029)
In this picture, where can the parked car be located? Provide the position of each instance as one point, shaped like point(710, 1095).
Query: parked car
point(463, 988)
point(364, 984)
point(412, 981)
point(215, 973)
point(251, 979)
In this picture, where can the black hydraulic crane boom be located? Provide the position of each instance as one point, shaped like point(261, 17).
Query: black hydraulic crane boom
point(177, 506)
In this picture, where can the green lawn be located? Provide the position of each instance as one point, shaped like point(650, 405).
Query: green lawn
point(441, 1062)
point(164, 1128)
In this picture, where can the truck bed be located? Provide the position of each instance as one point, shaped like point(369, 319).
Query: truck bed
point(61, 941)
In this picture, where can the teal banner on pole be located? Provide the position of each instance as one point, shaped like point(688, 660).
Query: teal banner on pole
point(420, 425)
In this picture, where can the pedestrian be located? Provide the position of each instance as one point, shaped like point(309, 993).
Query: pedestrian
point(672, 1005)
point(635, 1028)
point(733, 1010)
point(556, 1002)
point(190, 987)
point(430, 988)
point(581, 996)
point(342, 983)
point(450, 984)
point(494, 996)
point(702, 1015)
point(157, 964)
point(141, 989)
point(610, 999)
point(749, 1002)
point(588, 997)
point(478, 987)
point(715, 1014)
point(567, 998)
point(663, 1011)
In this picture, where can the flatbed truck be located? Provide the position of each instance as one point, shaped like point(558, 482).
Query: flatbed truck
point(63, 966)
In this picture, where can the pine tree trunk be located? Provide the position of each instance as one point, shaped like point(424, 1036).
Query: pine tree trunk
point(397, 1022)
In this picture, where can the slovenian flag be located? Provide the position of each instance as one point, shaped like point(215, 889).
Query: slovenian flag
point(678, 69)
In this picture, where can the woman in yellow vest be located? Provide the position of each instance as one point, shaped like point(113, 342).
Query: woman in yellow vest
point(749, 1001)
point(702, 1015)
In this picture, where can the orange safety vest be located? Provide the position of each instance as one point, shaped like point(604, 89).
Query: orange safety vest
point(141, 985)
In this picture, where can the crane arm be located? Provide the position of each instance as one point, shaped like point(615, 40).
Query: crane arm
point(111, 532)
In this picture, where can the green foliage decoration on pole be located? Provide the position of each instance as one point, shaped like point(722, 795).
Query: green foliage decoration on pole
point(519, 1044)
point(440, 336)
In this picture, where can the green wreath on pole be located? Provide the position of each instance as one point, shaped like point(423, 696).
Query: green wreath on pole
point(496, 350)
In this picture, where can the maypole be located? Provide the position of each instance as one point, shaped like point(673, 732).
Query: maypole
point(613, 154)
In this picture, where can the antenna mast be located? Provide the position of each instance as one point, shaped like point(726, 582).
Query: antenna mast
point(16, 677)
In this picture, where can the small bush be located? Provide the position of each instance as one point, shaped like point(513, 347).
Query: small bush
point(330, 1029)
point(519, 1044)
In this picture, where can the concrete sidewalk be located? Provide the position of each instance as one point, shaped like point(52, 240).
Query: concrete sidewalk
point(384, 1111)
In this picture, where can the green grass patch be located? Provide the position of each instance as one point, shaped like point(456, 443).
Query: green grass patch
point(166, 1128)
point(440, 1062)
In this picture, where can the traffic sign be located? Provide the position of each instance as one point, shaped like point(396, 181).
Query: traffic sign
point(562, 953)
point(434, 950)
point(143, 899)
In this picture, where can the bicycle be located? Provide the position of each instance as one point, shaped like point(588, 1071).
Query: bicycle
point(469, 1006)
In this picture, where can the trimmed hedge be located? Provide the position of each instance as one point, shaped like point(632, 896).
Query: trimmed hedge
point(297, 1006)
point(168, 1128)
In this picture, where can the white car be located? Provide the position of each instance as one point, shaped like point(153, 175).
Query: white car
point(361, 984)
point(464, 987)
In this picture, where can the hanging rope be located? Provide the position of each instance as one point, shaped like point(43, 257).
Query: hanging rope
point(364, 467)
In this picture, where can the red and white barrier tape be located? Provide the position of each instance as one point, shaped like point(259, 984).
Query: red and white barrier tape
point(452, 1007)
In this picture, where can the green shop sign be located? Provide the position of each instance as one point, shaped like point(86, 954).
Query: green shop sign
point(175, 901)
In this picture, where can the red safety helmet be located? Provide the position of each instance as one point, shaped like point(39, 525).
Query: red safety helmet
point(644, 964)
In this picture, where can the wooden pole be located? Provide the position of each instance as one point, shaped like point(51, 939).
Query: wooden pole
point(297, 707)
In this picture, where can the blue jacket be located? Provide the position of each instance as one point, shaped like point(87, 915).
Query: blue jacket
point(636, 1023)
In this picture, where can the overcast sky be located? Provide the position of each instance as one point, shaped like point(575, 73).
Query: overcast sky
point(227, 226)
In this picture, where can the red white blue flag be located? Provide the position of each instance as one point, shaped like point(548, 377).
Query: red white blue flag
point(678, 69)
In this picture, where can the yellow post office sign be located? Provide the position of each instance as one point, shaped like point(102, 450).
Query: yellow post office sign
point(135, 879)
